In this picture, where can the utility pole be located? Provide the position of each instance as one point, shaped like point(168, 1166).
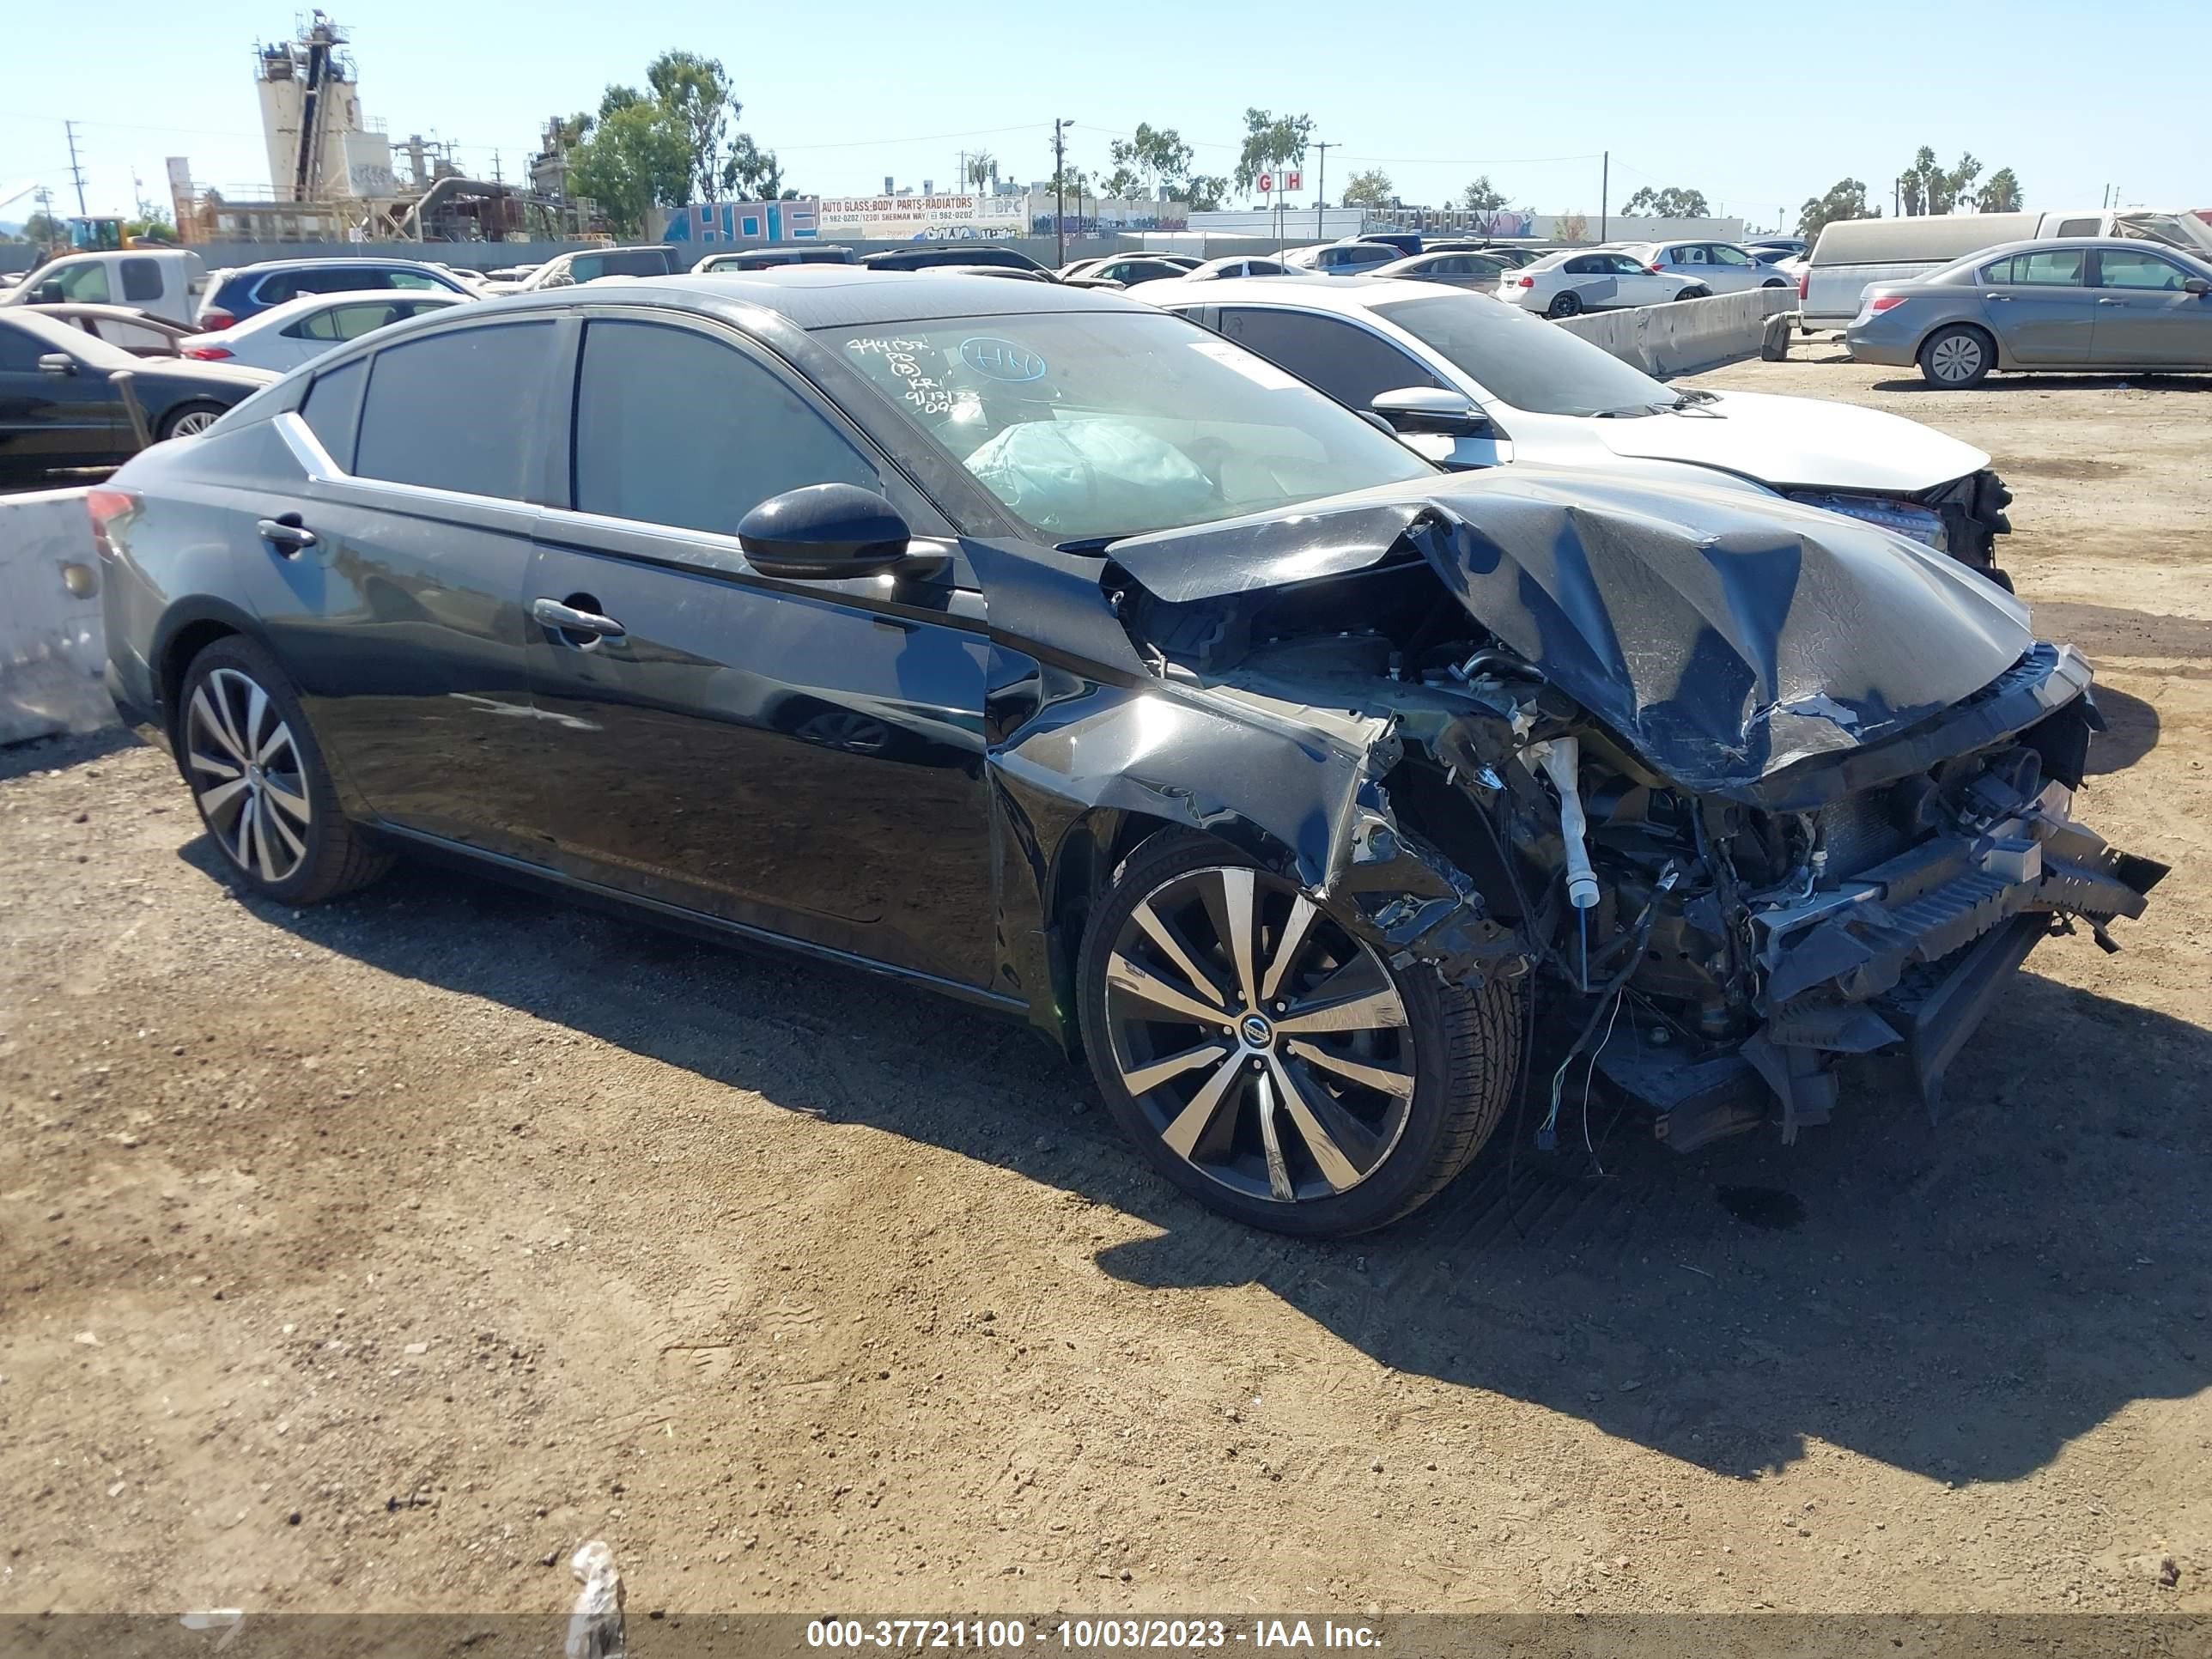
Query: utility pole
point(1604, 196)
point(960, 179)
point(1060, 191)
point(76, 172)
point(1321, 191)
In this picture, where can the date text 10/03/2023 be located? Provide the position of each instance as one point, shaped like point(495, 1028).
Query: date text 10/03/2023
point(995, 1636)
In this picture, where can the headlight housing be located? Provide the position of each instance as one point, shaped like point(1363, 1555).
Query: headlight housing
point(1905, 518)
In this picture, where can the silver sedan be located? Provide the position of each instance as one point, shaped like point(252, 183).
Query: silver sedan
point(2075, 304)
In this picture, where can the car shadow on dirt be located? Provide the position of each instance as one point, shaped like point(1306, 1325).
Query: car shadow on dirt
point(1962, 1300)
point(2007, 381)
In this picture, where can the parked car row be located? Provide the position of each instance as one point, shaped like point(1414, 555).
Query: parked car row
point(1085, 658)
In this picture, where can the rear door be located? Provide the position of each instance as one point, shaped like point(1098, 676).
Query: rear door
point(2145, 315)
point(804, 759)
point(402, 619)
point(2040, 306)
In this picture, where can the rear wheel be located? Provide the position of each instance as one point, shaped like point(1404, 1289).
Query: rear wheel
point(186, 419)
point(1567, 304)
point(1269, 1061)
point(1957, 357)
point(258, 779)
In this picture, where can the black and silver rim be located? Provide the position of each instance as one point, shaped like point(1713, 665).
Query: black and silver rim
point(245, 770)
point(1267, 1047)
point(198, 419)
point(1956, 358)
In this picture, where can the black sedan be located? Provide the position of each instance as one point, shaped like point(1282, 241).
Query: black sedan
point(1035, 646)
point(61, 412)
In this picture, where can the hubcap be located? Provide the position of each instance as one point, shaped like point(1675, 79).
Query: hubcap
point(198, 420)
point(1266, 1046)
point(246, 773)
point(1957, 358)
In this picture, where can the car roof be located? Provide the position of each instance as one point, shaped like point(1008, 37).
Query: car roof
point(307, 303)
point(261, 267)
point(836, 296)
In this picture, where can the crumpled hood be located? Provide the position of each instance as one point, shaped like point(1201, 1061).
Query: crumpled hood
point(1788, 441)
point(1723, 637)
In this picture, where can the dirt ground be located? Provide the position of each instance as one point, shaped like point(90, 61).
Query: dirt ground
point(371, 1257)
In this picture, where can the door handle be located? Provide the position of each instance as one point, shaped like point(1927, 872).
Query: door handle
point(2112, 302)
point(287, 535)
point(567, 619)
point(2000, 299)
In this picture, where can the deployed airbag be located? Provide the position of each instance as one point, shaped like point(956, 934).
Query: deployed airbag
point(1086, 470)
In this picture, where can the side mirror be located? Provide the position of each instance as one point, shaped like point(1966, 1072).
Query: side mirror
point(824, 532)
point(48, 294)
point(2199, 286)
point(1432, 409)
point(59, 364)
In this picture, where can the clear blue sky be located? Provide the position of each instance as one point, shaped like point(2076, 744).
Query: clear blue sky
point(1718, 95)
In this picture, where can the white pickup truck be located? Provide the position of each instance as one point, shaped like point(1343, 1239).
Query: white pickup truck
point(1852, 254)
point(164, 281)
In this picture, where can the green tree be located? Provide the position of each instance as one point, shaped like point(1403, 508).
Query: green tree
point(1846, 199)
point(1671, 202)
point(982, 169)
point(1121, 185)
point(43, 228)
point(1155, 155)
point(1270, 141)
point(638, 158)
point(1482, 196)
point(1928, 187)
point(1203, 190)
point(1371, 189)
point(2001, 194)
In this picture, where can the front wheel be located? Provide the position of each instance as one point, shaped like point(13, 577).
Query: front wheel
point(1268, 1061)
point(257, 777)
point(1694, 293)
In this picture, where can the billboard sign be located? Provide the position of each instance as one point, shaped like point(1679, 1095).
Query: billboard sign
point(922, 218)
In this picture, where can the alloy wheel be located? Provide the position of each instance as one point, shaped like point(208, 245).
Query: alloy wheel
point(192, 420)
point(1956, 359)
point(1266, 1046)
point(246, 770)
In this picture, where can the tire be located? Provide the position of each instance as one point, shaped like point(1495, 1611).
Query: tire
point(1693, 293)
point(260, 781)
point(1957, 357)
point(1401, 1105)
point(1564, 304)
point(188, 418)
point(1777, 283)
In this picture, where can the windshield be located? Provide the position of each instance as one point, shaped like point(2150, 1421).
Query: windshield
point(1092, 425)
point(1524, 361)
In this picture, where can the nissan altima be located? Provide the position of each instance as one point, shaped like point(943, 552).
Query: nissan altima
point(1035, 646)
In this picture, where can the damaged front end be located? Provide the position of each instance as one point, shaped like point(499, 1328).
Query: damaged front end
point(1756, 794)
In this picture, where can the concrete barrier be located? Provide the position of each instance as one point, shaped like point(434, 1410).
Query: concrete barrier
point(1687, 335)
point(52, 647)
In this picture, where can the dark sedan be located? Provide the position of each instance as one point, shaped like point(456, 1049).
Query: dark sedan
point(62, 413)
point(1040, 648)
point(936, 255)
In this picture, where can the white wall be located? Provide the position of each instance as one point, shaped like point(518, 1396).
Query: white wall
point(52, 645)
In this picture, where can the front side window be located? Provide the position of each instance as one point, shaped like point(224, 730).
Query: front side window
point(20, 350)
point(673, 427)
point(411, 279)
point(2138, 270)
point(85, 284)
point(1724, 255)
point(351, 322)
point(1091, 425)
point(452, 411)
point(2053, 268)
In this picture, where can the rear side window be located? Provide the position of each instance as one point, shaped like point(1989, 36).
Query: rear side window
point(142, 281)
point(459, 411)
point(673, 427)
point(2078, 228)
point(332, 410)
point(2055, 267)
point(1342, 359)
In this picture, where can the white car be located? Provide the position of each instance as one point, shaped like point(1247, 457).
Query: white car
point(1469, 383)
point(1215, 270)
point(299, 330)
point(1592, 279)
point(1722, 267)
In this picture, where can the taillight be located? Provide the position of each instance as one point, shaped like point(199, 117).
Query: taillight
point(207, 353)
point(1654, 271)
point(1527, 282)
point(213, 318)
point(1804, 282)
point(1886, 303)
point(105, 506)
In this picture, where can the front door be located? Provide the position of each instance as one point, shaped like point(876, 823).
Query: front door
point(2145, 315)
point(401, 620)
point(51, 422)
point(801, 757)
point(2041, 305)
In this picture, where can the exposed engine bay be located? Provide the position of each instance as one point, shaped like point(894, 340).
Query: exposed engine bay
point(1738, 814)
